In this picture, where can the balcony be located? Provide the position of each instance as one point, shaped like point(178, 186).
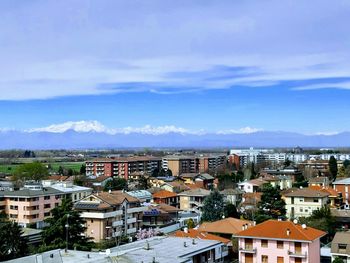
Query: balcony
point(131, 220)
point(131, 231)
point(117, 223)
point(196, 203)
point(137, 209)
point(248, 249)
point(297, 254)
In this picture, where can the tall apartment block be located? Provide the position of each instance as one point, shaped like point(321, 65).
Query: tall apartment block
point(122, 166)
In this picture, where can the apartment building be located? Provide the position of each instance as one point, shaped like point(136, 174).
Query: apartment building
point(343, 186)
point(110, 214)
point(31, 205)
point(302, 202)
point(192, 200)
point(192, 164)
point(279, 242)
point(69, 190)
point(122, 166)
point(341, 246)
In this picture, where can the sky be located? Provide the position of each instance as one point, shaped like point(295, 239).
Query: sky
point(213, 66)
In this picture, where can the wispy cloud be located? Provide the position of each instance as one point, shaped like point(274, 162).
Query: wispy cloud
point(244, 130)
point(53, 49)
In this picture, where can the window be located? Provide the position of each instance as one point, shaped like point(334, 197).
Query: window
point(315, 200)
point(47, 206)
point(264, 243)
point(47, 197)
point(47, 214)
point(264, 259)
point(91, 220)
point(279, 244)
point(301, 200)
point(14, 207)
point(280, 260)
point(301, 209)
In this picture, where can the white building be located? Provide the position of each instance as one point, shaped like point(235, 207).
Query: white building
point(75, 192)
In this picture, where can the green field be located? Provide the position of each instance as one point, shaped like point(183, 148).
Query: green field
point(10, 168)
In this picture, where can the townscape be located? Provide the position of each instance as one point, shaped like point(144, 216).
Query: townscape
point(233, 206)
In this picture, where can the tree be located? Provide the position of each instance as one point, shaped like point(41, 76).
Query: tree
point(143, 183)
point(333, 167)
point(82, 169)
point(190, 223)
point(271, 205)
point(30, 171)
point(54, 235)
point(169, 173)
point(12, 245)
point(346, 164)
point(231, 211)
point(60, 170)
point(338, 260)
point(287, 162)
point(116, 183)
point(252, 171)
point(213, 207)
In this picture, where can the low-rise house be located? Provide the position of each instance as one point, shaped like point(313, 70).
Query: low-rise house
point(166, 197)
point(110, 214)
point(232, 196)
point(252, 186)
point(98, 183)
point(143, 195)
point(290, 171)
point(322, 181)
point(192, 200)
point(226, 227)
point(203, 180)
point(279, 241)
point(250, 202)
point(281, 181)
point(343, 186)
point(176, 186)
point(341, 246)
point(162, 216)
point(302, 202)
point(334, 198)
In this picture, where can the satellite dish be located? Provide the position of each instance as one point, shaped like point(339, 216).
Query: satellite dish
point(303, 226)
point(295, 221)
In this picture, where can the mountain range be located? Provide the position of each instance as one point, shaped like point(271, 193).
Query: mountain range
point(72, 139)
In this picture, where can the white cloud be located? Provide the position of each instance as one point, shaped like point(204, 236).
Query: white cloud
point(340, 85)
point(244, 130)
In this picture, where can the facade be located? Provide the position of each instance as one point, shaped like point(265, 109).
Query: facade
point(343, 186)
point(302, 202)
point(279, 242)
point(122, 166)
point(192, 164)
point(110, 215)
point(30, 206)
point(341, 246)
point(252, 186)
point(233, 196)
point(166, 197)
point(160, 216)
point(322, 181)
point(69, 190)
point(192, 200)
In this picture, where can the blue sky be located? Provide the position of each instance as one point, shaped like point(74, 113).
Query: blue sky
point(198, 65)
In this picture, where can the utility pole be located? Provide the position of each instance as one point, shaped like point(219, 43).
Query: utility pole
point(67, 226)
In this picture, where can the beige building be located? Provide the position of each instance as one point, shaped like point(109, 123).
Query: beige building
point(192, 200)
point(302, 202)
point(110, 214)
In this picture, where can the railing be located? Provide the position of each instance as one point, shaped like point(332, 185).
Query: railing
point(196, 203)
point(297, 254)
point(248, 249)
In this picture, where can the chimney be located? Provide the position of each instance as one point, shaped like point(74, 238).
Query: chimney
point(185, 244)
point(193, 241)
point(186, 230)
point(288, 232)
point(109, 191)
point(243, 227)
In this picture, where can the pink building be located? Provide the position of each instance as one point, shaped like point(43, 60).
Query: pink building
point(279, 242)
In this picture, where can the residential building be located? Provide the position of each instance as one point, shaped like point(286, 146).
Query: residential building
point(279, 242)
point(193, 163)
point(31, 205)
point(302, 202)
point(334, 198)
point(250, 202)
point(166, 197)
point(192, 200)
point(110, 214)
point(232, 196)
point(291, 171)
point(197, 234)
point(161, 216)
point(341, 246)
point(343, 186)
point(122, 166)
point(281, 181)
point(322, 181)
point(160, 249)
point(99, 183)
point(143, 195)
point(176, 187)
point(252, 186)
point(203, 180)
point(225, 227)
point(69, 190)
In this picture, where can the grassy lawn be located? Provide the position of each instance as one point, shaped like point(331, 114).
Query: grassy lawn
point(10, 168)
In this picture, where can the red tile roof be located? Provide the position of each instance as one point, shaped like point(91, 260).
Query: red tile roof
point(273, 229)
point(164, 194)
point(332, 192)
point(193, 233)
